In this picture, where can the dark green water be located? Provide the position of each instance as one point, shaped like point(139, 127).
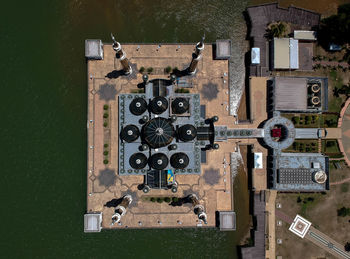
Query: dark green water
point(43, 123)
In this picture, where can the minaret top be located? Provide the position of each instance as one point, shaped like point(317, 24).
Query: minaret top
point(116, 44)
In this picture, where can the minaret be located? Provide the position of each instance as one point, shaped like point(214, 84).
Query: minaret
point(120, 54)
point(198, 208)
point(120, 210)
point(196, 56)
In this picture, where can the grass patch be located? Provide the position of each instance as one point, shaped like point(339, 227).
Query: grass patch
point(344, 187)
point(310, 146)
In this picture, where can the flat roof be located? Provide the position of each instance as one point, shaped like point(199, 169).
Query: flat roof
point(92, 222)
point(304, 35)
point(223, 49)
point(294, 171)
point(255, 56)
point(227, 220)
point(290, 93)
point(281, 53)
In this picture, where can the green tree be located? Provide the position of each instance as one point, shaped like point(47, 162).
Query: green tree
point(343, 212)
point(335, 28)
point(277, 30)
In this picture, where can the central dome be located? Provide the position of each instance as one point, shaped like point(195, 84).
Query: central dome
point(158, 132)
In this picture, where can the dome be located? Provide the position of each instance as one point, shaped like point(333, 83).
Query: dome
point(187, 132)
point(138, 161)
point(179, 160)
point(159, 105)
point(158, 161)
point(180, 105)
point(320, 177)
point(138, 106)
point(130, 133)
point(158, 132)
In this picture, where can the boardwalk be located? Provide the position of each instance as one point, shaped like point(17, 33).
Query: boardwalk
point(262, 15)
point(258, 250)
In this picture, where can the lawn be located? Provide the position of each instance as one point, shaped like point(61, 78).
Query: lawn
point(330, 147)
point(321, 210)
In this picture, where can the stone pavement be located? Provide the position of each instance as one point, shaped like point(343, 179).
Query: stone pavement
point(270, 208)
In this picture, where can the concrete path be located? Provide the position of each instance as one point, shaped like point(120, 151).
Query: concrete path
point(326, 243)
point(342, 181)
point(270, 208)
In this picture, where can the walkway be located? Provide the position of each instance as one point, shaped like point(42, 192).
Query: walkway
point(341, 182)
point(270, 208)
point(344, 124)
point(326, 243)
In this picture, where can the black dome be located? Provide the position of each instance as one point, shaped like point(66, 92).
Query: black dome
point(130, 133)
point(179, 160)
point(158, 161)
point(180, 105)
point(138, 106)
point(158, 132)
point(187, 132)
point(159, 105)
point(138, 161)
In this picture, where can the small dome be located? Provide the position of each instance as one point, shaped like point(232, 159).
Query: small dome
point(138, 106)
point(179, 160)
point(130, 133)
point(187, 132)
point(159, 105)
point(180, 105)
point(320, 177)
point(138, 161)
point(158, 161)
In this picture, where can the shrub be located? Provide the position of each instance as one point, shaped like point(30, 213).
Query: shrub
point(105, 153)
point(105, 161)
point(153, 199)
point(167, 69)
point(105, 124)
point(159, 200)
point(167, 199)
point(149, 70)
point(296, 120)
point(299, 199)
point(105, 115)
point(175, 69)
point(105, 107)
point(105, 145)
point(175, 199)
point(343, 212)
point(141, 70)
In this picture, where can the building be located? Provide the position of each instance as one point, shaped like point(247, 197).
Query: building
point(299, 94)
point(285, 54)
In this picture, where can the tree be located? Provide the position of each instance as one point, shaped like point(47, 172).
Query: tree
point(277, 30)
point(343, 212)
point(347, 247)
point(335, 29)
